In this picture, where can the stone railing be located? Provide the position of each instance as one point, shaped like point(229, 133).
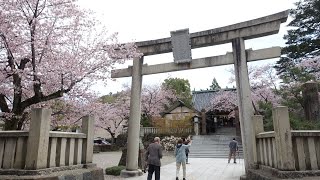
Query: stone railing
point(40, 148)
point(306, 149)
point(156, 130)
point(266, 149)
point(285, 149)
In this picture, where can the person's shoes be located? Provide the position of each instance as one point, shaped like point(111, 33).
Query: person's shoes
point(235, 162)
point(177, 178)
point(184, 179)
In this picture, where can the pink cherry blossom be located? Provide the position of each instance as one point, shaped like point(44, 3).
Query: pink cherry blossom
point(263, 82)
point(52, 49)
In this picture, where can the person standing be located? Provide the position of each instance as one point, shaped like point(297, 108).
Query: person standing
point(153, 156)
point(186, 142)
point(233, 146)
point(180, 154)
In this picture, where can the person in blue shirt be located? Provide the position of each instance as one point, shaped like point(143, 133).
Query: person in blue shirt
point(180, 154)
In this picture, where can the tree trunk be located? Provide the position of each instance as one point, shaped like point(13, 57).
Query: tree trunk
point(16, 122)
point(11, 124)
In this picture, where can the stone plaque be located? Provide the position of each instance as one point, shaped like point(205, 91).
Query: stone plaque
point(181, 47)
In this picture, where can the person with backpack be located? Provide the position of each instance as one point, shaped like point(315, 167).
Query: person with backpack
point(180, 154)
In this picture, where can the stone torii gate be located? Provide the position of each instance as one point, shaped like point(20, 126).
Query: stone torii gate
point(181, 43)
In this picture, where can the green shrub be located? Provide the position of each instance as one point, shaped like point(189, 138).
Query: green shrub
point(301, 124)
point(121, 140)
point(115, 170)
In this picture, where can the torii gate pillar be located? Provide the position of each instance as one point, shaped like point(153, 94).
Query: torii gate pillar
point(134, 121)
point(244, 100)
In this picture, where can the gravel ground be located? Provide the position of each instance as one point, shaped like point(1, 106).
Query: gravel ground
point(109, 159)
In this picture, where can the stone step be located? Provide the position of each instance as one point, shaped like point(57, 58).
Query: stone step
point(211, 150)
point(212, 155)
point(215, 156)
point(212, 146)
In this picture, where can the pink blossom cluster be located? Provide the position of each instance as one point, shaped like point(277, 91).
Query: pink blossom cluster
point(224, 101)
point(311, 65)
point(155, 98)
point(114, 116)
point(263, 81)
point(51, 49)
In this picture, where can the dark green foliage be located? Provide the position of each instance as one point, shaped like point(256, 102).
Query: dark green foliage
point(214, 85)
point(303, 40)
point(145, 121)
point(298, 123)
point(115, 170)
point(181, 87)
point(121, 140)
point(110, 98)
point(267, 115)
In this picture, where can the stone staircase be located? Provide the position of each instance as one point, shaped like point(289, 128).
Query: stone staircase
point(215, 145)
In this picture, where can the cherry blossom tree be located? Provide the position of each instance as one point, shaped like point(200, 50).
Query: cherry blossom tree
point(224, 100)
point(155, 98)
point(51, 49)
point(112, 117)
point(312, 67)
point(263, 82)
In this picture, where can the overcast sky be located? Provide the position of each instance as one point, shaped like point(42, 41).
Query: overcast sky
point(139, 20)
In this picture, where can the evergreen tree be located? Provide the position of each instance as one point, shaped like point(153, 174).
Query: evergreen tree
point(214, 85)
point(181, 88)
point(298, 63)
point(303, 41)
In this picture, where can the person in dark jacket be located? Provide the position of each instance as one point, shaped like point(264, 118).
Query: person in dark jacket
point(233, 146)
point(153, 155)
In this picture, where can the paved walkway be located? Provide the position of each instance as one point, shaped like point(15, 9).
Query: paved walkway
point(198, 169)
point(202, 169)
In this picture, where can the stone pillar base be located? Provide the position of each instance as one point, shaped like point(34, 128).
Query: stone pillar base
point(125, 173)
point(88, 171)
point(243, 177)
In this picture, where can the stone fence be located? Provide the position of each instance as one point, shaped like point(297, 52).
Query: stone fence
point(25, 152)
point(284, 149)
point(156, 130)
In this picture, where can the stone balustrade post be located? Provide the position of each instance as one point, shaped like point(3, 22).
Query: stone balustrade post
point(87, 146)
point(283, 140)
point(257, 121)
point(38, 140)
